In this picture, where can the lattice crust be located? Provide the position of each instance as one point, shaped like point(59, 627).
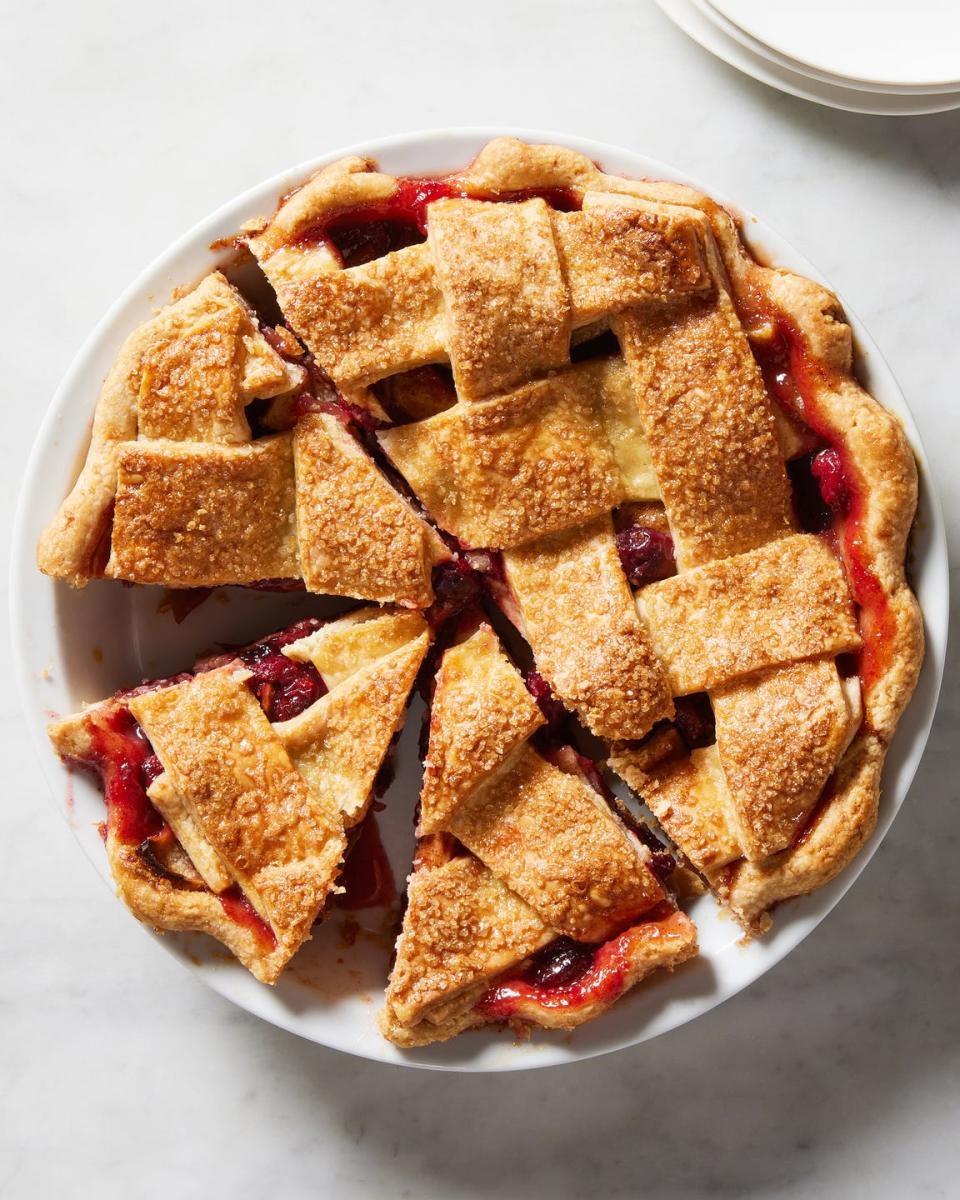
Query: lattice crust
point(463, 928)
point(531, 459)
point(504, 471)
point(465, 942)
point(195, 515)
point(337, 744)
point(548, 856)
point(481, 712)
point(496, 290)
point(357, 535)
point(579, 615)
point(874, 442)
point(543, 832)
point(713, 451)
point(183, 497)
point(812, 715)
point(259, 806)
point(552, 840)
point(239, 784)
point(786, 601)
point(185, 376)
point(710, 428)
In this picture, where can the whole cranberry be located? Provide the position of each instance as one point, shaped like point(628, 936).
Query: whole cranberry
point(827, 470)
point(646, 554)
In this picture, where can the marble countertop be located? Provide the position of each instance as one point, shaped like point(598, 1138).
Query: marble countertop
point(835, 1075)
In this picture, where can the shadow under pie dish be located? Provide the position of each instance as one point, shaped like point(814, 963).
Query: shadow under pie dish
point(649, 449)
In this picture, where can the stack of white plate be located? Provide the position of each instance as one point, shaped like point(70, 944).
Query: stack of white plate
point(871, 56)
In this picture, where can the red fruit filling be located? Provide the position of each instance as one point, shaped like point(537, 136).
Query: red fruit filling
point(457, 586)
point(238, 908)
point(646, 554)
point(827, 469)
point(122, 754)
point(694, 718)
point(284, 687)
point(367, 877)
point(797, 380)
point(547, 702)
point(363, 232)
point(560, 964)
point(573, 974)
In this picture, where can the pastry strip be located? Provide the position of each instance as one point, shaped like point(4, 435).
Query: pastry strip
point(788, 600)
point(589, 642)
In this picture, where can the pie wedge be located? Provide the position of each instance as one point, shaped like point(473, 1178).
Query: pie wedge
point(231, 790)
point(532, 900)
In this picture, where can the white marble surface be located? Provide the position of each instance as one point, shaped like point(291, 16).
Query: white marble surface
point(837, 1075)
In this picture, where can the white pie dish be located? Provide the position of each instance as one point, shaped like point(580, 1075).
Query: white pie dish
point(714, 33)
point(57, 632)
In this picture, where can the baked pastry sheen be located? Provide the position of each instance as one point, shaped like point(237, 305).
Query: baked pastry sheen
point(563, 428)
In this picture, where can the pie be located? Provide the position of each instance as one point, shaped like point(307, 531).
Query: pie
point(532, 897)
point(608, 487)
point(232, 790)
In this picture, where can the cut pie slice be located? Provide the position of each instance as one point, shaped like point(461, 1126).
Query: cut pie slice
point(230, 790)
point(190, 483)
point(186, 376)
point(532, 899)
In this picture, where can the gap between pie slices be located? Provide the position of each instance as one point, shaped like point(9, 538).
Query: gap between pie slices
point(573, 400)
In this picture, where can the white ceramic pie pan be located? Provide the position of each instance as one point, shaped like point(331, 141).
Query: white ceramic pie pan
point(72, 646)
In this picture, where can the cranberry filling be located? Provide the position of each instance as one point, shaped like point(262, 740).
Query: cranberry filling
point(367, 231)
point(124, 757)
point(646, 554)
point(284, 687)
point(457, 585)
point(276, 585)
point(361, 242)
point(239, 909)
point(547, 702)
point(796, 381)
point(334, 404)
point(694, 718)
point(597, 974)
point(150, 769)
point(367, 877)
point(561, 963)
point(827, 469)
